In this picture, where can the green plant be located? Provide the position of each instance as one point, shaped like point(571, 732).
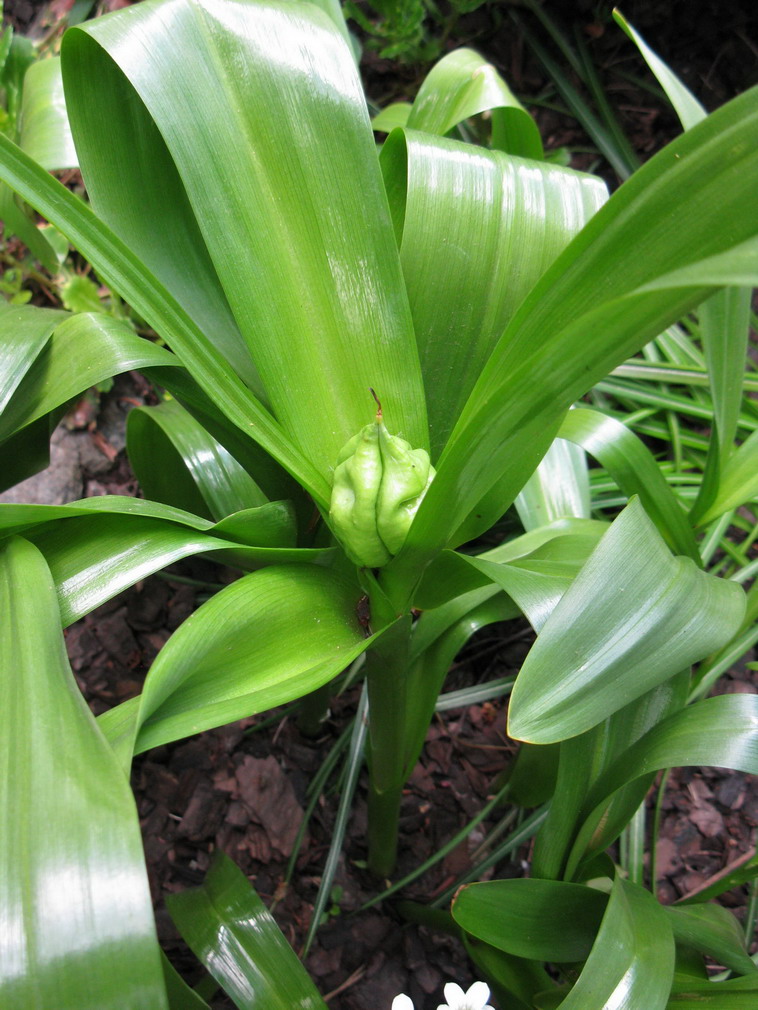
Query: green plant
point(241, 209)
point(404, 29)
point(33, 114)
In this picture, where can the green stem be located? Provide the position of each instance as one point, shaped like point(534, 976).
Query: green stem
point(383, 823)
point(314, 710)
point(386, 678)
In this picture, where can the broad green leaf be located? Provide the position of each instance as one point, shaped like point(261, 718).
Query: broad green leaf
point(178, 462)
point(634, 616)
point(24, 331)
point(558, 489)
point(631, 964)
point(476, 230)
point(529, 918)
point(724, 318)
point(394, 115)
point(41, 129)
point(275, 482)
point(735, 994)
point(539, 581)
point(96, 553)
point(582, 759)
point(443, 633)
point(513, 980)
point(44, 131)
point(127, 275)
point(319, 301)
point(462, 85)
point(265, 640)
point(589, 312)
point(632, 466)
point(77, 920)
point(83, 350)
point(235, 936)
point(739, 481)
point(451, 574)
point(720, 731)
point(136, 190)
point(712, 930)
point(27, 452)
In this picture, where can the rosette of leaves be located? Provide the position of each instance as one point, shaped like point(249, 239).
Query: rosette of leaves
point(240, 206)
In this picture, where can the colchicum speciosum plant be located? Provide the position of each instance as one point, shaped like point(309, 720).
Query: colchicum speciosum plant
point(240, 205)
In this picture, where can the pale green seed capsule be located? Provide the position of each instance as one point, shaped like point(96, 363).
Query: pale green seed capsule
point(406, 474)
point(357, 480)
point(379, 483)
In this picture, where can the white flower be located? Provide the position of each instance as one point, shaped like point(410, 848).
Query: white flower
point(475, 999)
point(402, 1002)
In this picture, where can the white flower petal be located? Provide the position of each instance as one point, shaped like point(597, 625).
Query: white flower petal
point(402, 1002)
point(477, 996)
point(455, 997)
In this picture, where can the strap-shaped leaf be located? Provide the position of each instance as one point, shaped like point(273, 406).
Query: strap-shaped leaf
point(293, 213)
point(631, 963)
point(632, 466)
point(452, 574)
point(634, 617)
point(558, 489)
point(235, 936)
point(721, 731)
point(44, 131)
point(724, 318)
point(96, 552)
point(739, 480)
point(83, 350)
point(478, 228)
point(24, 331)
point(529, 918)
point(77, 921)
point(127, 275)
point(597, 305)
point(461, 85)
point(178, 462)
point(712, 930)
point(268, 638)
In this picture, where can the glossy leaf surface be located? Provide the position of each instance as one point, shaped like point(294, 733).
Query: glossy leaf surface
point(96, 552)
point(634, 617)
point(460, 86)
point(24, 331)
point(476, 230)
point(176, 461)
point(529, 918)
point(633, 467)
point(77, 920)
point(268, 638)
point(83, 350)
point(720, 731)
point(590, 311)
point(127, 275)
point(277, 211)
point(632, 961)
point(235, 936)
point(45, 134)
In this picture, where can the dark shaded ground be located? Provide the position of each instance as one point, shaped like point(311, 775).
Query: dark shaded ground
point(243, 789)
